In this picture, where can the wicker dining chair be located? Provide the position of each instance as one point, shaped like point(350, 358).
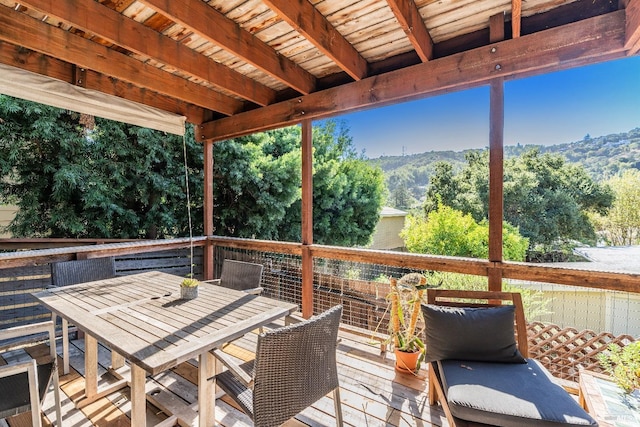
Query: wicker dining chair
point(67, 273)
point(241, 276)
point(294, 367)
point(24, 384)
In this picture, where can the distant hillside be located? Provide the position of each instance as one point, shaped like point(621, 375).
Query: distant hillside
point(602, 157)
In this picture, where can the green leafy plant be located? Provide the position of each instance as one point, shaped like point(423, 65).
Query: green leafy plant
point(405, 326)
point(189, 283)
point(623, 364)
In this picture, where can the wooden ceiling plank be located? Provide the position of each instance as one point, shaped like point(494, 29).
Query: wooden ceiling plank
point(137, 38)
point(306, 20)
point(413, 26)
point(587, 41)
point(29, 60)
point(213, 26)
point(22, 30)
point(632, 42)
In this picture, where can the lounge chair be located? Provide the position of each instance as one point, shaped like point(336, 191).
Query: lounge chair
point(479, 370)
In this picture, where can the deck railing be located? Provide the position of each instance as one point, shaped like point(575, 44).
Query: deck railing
point(573, 314)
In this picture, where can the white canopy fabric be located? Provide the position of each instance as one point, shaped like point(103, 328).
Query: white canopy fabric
point(46, 90)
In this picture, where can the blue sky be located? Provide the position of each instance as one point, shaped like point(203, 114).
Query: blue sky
point(550, 109)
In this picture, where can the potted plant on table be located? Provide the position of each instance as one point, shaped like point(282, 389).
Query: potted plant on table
point(405, 299)
point(189, 288)
point(623, 364)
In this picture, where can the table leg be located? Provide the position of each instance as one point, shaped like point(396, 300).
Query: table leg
point(90, 366)
point(206, 396)
point(138, 396)
point(117, 361)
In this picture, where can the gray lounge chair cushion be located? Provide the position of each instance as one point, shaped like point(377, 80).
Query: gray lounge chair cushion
point(481, 334)
point(508, 395)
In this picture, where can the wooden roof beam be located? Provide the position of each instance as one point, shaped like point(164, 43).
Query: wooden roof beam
point(22, 30)
point(586, 41)
point(212, 25)
point(306, 20)
point(632, 42)
point(29, 60)
point(413, 26)
point(137, 38)
point(516, 18)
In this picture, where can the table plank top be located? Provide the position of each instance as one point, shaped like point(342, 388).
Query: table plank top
point(143, 318)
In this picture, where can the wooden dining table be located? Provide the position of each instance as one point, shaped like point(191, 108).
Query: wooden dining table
point(142, 318)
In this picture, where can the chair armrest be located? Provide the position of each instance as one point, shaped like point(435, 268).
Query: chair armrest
point(292, 319)
point(17, 368)
point(212, 281)
point(24, 330)
point(254, 291)
point(243, 372)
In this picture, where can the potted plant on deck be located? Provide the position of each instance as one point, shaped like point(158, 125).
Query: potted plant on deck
point(406, 324)
point(189, 288)
point(623, 364)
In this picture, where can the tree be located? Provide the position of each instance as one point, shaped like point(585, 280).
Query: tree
point(112, 181)
point(123, 181)
point(347, 192)
point(546, 198)
point(621, 225)
point(447, 231)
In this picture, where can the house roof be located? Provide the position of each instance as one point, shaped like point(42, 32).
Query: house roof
point(388, 212)
point(239, 66)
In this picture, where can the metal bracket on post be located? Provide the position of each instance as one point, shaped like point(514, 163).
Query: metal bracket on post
point(79, 76)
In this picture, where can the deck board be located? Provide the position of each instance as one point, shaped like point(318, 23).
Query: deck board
point(372, 394)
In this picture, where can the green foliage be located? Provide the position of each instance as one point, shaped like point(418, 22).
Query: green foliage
point(623, 364)
point(602, 157)
point(447, 231)
point(547, 199)
point(115, 181)
point(122, 181)
point(258, 187)
point(189, 283)
point(533, 301)
point(621, 225)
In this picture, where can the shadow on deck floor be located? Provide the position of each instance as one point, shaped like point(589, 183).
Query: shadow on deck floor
point(372, 393)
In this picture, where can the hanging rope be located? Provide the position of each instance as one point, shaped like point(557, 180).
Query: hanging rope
point(186, 181)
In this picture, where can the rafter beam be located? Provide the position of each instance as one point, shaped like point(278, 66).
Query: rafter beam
point(306, 20)
point(632, 42)
point(22, 30)
point(587, 41)
point(516, 18)
point(212, 25)
point(37, 63)
point(137, 38)
point(412, 24)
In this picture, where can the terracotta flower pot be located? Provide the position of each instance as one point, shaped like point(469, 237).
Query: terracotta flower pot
point(407, 362)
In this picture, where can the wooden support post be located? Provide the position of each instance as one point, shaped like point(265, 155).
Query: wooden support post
point(90, 366)
point(307, 219)
point(138, 396)
point(207, 258)
point(496, 157)
point(206, 392)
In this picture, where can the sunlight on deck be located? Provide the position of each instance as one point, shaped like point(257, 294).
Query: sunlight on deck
point(372, 393)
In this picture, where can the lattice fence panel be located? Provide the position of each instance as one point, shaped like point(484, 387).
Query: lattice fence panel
point(563, 351)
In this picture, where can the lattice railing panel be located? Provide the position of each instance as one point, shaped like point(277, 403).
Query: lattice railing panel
point(564, 351)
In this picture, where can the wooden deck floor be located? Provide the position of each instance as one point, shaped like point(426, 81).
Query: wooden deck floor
point(372, 393)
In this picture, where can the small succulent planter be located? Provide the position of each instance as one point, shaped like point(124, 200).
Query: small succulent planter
point(189, 289)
